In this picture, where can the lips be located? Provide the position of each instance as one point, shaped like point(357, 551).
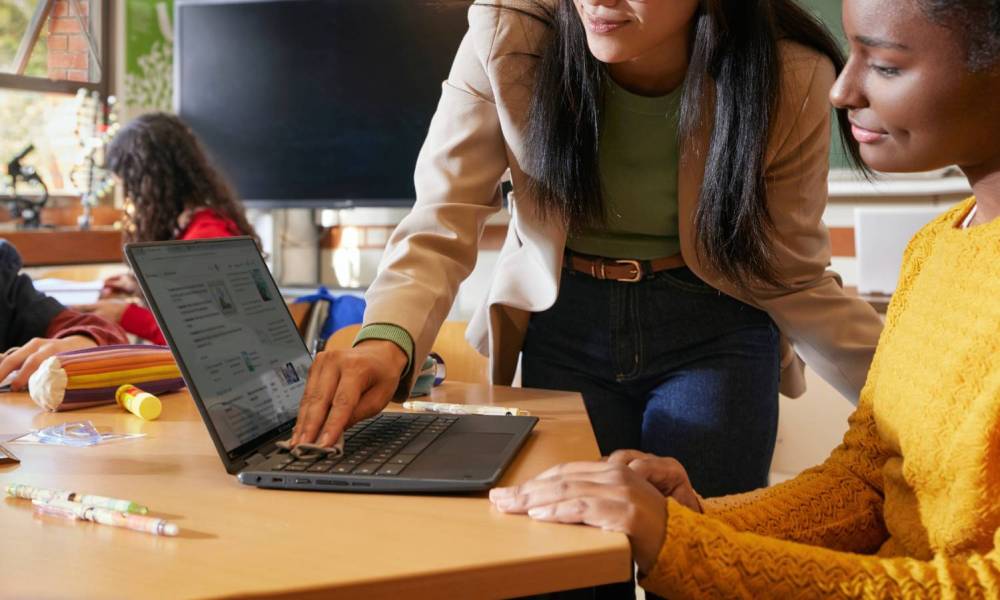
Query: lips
point(602, 25)
point(867, 136)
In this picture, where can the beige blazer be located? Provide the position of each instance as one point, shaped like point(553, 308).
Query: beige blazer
point(477, 135)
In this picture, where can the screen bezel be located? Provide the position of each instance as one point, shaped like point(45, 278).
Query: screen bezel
point(235, 459)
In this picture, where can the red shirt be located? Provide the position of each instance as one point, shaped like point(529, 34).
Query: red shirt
point(70, 322)
point(205, 224)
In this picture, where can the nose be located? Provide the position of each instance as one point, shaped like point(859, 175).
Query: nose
point(848, 91)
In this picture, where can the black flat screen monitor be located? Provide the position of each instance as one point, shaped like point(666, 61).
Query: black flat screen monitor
point(315, 103)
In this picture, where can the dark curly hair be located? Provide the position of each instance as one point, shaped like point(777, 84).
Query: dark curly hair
point(976, 22)
point(165, 171)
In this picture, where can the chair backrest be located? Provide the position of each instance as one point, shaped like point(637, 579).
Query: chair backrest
point(462, 361)
point(299, 312)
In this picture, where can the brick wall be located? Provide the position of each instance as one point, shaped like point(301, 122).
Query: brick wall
point(69, 53)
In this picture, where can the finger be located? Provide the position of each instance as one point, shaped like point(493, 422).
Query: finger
point(320, 384)
point(600, 512)
point(664, 473)
point(687, 496)
point(317, 409)
point(573, 467)
point(373, 401)
point(345, 400)
point(626, 456)
point(14, 360)
point(30, 365)
point(555, 492)
point(608, 475)
point(564, 471)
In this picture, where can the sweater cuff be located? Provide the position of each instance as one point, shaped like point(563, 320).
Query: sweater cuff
point(660, 577)
point(390, 333)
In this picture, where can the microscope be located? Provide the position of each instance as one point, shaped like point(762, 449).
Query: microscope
point(25, 210)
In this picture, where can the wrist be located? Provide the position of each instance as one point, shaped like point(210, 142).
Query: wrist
point(646, 547)
point(79, 341)
point(388, 351)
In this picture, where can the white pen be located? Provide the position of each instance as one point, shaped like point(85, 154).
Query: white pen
point(463, 409)
point(74, 510)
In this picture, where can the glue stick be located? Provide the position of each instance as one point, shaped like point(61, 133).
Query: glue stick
point(141, 404)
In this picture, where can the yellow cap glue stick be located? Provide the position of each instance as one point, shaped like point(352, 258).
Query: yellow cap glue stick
point(141, 404)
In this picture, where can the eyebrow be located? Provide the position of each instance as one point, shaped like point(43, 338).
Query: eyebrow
point(879, 43)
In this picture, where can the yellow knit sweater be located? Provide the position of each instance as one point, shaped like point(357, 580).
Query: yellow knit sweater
point(908, 506)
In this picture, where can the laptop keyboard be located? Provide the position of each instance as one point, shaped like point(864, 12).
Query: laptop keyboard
point(383, 446)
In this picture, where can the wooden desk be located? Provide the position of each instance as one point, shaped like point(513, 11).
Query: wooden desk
point(66, 246)
point(242, 541)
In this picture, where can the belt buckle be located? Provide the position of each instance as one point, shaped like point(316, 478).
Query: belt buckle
point(635, 265)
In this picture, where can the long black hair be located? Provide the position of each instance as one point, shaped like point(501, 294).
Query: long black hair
point(734, 53)
point(165, 171)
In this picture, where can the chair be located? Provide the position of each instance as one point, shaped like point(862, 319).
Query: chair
point(463, 362)
point(299, 312)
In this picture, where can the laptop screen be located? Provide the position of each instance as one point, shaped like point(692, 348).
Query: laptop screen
point(229, 327)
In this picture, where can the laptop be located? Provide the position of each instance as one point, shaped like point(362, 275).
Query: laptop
point(246, 368)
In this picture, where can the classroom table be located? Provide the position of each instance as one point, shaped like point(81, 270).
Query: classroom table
point(240, 541)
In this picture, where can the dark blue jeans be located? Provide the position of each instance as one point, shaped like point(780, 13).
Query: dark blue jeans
point(669, 366)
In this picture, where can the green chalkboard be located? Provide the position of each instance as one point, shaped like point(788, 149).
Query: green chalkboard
point(829, 12)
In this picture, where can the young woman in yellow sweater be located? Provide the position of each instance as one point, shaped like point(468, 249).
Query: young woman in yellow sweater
point(909, 504)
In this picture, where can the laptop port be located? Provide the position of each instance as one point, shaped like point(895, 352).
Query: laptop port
point(303, 481)
point(276, 480)
point(360, 484)
point(330, 482)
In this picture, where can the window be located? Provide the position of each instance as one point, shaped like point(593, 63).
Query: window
point(49, 50)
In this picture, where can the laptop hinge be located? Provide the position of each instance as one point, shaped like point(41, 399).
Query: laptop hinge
point(256, 458)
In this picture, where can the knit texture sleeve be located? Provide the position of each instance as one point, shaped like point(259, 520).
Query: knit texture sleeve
point(835, 505)
point(706, 558)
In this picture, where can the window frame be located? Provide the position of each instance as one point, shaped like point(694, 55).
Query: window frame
point(27, 83)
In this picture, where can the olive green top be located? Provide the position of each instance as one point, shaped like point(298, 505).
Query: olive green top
point(638, 158)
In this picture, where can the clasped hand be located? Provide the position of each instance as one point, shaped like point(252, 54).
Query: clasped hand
point(624, 493)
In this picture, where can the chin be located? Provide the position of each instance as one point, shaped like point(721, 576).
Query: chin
point(608, 53)
point(887, 159)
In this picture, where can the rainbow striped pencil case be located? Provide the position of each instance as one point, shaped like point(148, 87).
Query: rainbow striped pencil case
point(90, 377)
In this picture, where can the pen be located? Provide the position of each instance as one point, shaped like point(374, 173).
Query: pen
point(18, 490)
point(7, 456)
point(463, 409)
point(104, 516)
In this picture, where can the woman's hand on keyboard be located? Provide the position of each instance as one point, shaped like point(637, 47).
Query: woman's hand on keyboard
point(347, 386)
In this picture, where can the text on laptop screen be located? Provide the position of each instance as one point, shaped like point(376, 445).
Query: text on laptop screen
point(229, 324)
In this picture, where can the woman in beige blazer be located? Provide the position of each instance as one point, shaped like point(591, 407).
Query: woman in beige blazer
point(685, 342)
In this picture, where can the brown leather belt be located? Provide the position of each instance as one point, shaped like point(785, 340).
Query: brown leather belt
point(625, 270)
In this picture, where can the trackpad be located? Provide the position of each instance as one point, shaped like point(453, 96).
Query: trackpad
point(461, 455)
point(471, 443)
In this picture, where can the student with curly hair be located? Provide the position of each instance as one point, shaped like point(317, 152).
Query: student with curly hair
point(172, 192)
point(909, 505)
